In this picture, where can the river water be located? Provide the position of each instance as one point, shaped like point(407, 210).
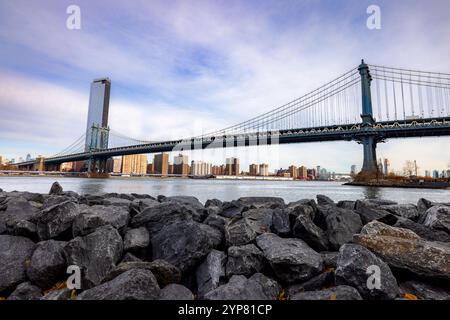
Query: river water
point(222, 189)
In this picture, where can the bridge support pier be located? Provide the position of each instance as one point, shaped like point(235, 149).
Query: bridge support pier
point(370, 154)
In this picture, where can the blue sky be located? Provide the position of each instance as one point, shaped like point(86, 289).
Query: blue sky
point(180, 68)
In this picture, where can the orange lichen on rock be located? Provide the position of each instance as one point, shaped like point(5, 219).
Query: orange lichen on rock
point(57, 286)
point(410, 296)
point(73, 295)
point(282, 295)
point(333, 297)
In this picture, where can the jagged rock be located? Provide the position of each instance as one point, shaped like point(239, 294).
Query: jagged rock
point(22, 228)
point(260, 219)
point(424, 291)
point(213, 210)
point(341, 225)
point(408, 211)
point(117, 202)
point(244, 260)
point(92, 199)
point(423, 205)
point(51, 200)
point(346, 204)
point(438, 218)
point(129, 257)
point(329, 259)
point(211, 273)
point(403, 249)
point(56, 188)
point(301, 209)
point(217, 221)
point(47, 263)
point(96, 254)
point(60, 294)
point(155, 217)
point(258, 202)
point(369, 213)
point(18, 212)
point(239, 231)
point(305, 229)
point(374, 202)
point(309, 202)
point(26, 291)
point(175, 292)
point(185, 243)
point(134, 284)
point(136, 239)
point(96, 216)
point(142, 196)
point(281, 224)
point(53, 221)
point(191, 204)
point(353, 269)
point(336, 293)
point(323, 280)
point(423, 231)
point(257, 287)
point(323, 200)
point(291, 259)
point(214, 203)
point(233, 209)
point(15, 252)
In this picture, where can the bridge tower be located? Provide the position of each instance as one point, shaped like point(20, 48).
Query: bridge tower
point(369, 141)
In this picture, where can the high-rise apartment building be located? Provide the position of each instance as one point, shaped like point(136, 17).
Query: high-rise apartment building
point(353, 170)
point(293, 172)
point(253, 169)
point(117, 165)
point(150, 169)
point(134, 164)
point(161, 163)
point(386, 166)
point(264, 169)
point(200, 168)
point(98, 114)
point(302, 173)
point(232, 166)
point(217, 170)
point(181, 165)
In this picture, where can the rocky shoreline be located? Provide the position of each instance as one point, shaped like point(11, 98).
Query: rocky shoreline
point(135, 246)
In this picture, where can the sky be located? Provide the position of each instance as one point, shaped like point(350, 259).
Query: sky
point(183, 68)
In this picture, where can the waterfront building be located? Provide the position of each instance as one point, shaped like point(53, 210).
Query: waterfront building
point(161, 163)
point(435, 174)
point(353, 170)
point(181, 165)
point(302, 173)
point(134, 164)
point(232, 166)
point(200, 168)
point(293, 171)
point(253, 169)
point(427, 173)
point(386, 166)
point(117, 165)
point(66, 166)
point(150, 168)
point(264, 169)
point(217, 170)
point(98, 113)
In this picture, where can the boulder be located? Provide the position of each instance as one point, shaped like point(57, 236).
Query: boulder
point(191, 204)
point(213, 203)
point(129, 257)
point(281, 224)
point(301, 209)
point(155, 217)
point(259, 219)
point(244, 260)
point(55, 221)
point(117, 202)
point(353, 269)
point(134, 284)
point(257, 287)
point(336, 293)
point(60, 294)
point(346, 204)
point(292, 260)
point(26, 291)
point(233, 209)
point(323, 200)
point(56, 188)
point(322, 281)
point(51, 200)
point(329, 259)
point(185, 243)
point(438, 218)
point(369, 213)
point(408, 211)
point(305, 229)
point(424, 291)
point(258, 202)
point(22, 228)
point(136, 240)
point(341, 225)
point(374, 202)
point(403, 249)
point(47, 264)
point(15, 252)
point(19, 211)
point(96, 216)
point(423, 231)
point(96, 254)
point(175, 292)
point(211, 273)
point(239, 231)
point(216, 221)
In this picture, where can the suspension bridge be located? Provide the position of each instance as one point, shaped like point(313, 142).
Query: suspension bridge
point(368, 104)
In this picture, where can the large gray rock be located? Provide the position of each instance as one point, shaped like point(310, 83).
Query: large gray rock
point(14, 253)
point(51, 200)
point(239, 231)
point(260, 219)
point(424, 291)
point(346, 204)
point(59, 294)
point(341, 225)
point(291, 259)
point(323, 200)
point(96, 216)
point(281, 224)
point(136, 239)
point(408, 211)
point(438, 218)
point(403, 249)
point(135, 284)
point(26, 291)
point(423, 231)
point(305, 229)
point(56, 220)
point(19, 211)
point(322, 281)
point(336, 293)
point(353, 269)
point(211, 273)
point(47, 264)
point(96, 254)
point(369, 212)
point(176, 292)
point(258, 202)
point(117, 202)
point(191, 204)
point(155, 217)
point(233, 209)
point(216, 221)
point(56, 188)
point(185, 243)
point(257, 287)
point(244, 260)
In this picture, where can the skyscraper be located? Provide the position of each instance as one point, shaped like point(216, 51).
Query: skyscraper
point(200, 168)
point(302, 173)
point(353, 170)
point(253, 169)
point(232, 167)
point(264, 169)
point(134, 164)
point(161, 163)
point(181, 165)
point(117, 165)
point(293, 171)
point(386, 166)
point(98, 114)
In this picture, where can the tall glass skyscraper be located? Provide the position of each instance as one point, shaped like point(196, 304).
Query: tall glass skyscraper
point(98, 114)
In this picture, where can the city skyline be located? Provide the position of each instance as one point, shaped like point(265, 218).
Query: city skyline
point(46, 68)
